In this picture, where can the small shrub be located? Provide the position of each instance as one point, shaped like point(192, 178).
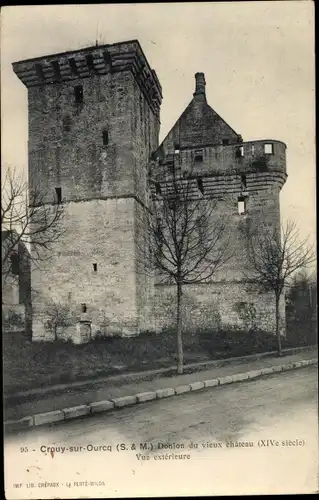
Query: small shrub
point(59, 316)
point(247, 314)
point(14, 319)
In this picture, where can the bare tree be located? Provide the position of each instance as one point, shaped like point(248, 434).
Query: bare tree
point(57, 315)
point(27, 219)
point(274, 257)
point(188, 239)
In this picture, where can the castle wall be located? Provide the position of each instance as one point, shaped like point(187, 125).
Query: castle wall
point(217, 305)
point(97, 232)
point(10, 289)
point(145, 131)
point(66, 139)
point(230, 284)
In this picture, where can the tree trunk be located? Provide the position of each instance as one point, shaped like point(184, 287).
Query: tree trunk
point(180, 354)
point(278, 336)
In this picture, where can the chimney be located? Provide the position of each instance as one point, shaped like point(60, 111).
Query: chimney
point(200, 84)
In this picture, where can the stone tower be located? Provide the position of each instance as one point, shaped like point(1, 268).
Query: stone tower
point(93, 123)
point(250, 176)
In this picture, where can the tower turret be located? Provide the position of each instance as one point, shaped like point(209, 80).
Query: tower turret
point(93, 122)
point(244, 179)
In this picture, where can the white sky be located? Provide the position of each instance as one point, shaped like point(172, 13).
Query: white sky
point(258, 60)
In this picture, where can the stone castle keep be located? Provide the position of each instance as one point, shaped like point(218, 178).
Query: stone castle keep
point(94, 121)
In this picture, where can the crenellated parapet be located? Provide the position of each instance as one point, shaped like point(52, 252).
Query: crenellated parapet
point(98, 60)
point(249, 166)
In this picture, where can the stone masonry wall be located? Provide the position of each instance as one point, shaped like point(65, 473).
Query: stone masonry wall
point(97, 232)
point(229, 283)
point(66, 139)
point(214, 306)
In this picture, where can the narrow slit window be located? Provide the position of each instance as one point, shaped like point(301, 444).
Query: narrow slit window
point(242, 152)
point(253, 151)
point(56, 68)
point(89, 61)
point(107, 58)
point(78, 94)
point(269, 149)
point(105, 137)
point(95, 267)
point(14, 264)
point(158, 188)
point(244, 181)
point(73, 66)
point(200, 185)
point(241, 205)
point(84, 308)
point(58, 192)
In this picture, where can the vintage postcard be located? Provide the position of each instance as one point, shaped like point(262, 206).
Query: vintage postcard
point(159, 292)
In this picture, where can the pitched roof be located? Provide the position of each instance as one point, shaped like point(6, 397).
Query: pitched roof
point(199, 125)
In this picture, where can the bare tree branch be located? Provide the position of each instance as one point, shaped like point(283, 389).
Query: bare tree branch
point(27, 219)
point(274, 258)
point(188, 236)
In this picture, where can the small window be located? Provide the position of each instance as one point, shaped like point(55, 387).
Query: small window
point(252, 150)
point(241, 205)
point(78, 94)
point(14, 258)
point(243, 181)
point(198, 155)
point(269, 149)
point(225, 142)
point(200, 185)
point(58, 192)
point(95, 267)
point(105, 136)
point(158, 188)
point(176, 149)
point(84, 308)
point(240, 152)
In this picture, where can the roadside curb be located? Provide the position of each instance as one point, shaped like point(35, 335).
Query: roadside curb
point(151, 374)
point(125, 401)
